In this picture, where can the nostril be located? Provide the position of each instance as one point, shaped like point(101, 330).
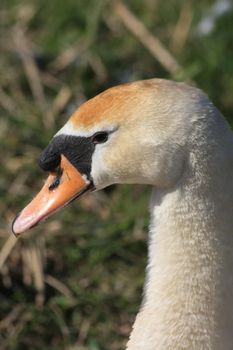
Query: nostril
point(58, 171)
point(55, 183)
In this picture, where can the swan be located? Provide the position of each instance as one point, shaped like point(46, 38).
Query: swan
point(168, 135)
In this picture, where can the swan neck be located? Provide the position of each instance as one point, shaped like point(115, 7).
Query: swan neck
point(188, 290)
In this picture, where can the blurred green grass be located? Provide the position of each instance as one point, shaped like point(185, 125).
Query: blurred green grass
point(75, 282)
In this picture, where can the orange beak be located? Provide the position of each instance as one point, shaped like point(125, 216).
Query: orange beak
point(58, 191)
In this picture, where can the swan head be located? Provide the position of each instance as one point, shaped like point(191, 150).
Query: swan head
point(133, 133)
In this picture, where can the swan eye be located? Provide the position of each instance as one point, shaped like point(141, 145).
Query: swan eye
point(100, 137)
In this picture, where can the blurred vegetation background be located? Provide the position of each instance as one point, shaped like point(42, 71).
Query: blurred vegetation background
point(75, 282)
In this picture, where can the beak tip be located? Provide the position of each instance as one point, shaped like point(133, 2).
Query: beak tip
point(20, 225)
point(14, 226)
point(22, 222)
point(51, 197)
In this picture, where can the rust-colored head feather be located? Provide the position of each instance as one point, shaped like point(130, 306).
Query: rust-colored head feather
point(114, 103)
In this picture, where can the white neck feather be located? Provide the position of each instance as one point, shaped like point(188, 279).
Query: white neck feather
point(189, 288)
